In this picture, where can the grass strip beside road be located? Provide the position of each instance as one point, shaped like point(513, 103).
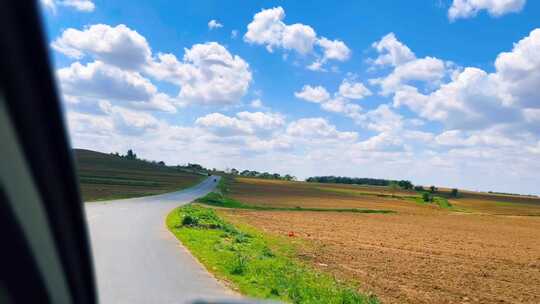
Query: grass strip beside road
point(257, 264)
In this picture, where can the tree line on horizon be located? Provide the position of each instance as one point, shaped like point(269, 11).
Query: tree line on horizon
point(265, 175)
point(403, 184)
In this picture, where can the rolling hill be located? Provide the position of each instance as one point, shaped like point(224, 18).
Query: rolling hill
point(104, 176)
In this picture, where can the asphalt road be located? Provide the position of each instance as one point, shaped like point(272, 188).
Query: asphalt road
point(138, 260)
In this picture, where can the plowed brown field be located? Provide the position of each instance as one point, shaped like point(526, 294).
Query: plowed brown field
point(421, 254)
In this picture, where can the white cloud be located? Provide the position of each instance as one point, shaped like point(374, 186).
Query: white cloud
point(406, 67)
point(342, 106)
point(315, 94)
point(470, 8)
point(341, 102)
point(132, 123)
point(234, 34)
point(476, 99)
point(383, 142)
point(459, 138)
point(381, 119)
point(316, 66)
point(79, 5)
point(119, 45)
point(99, 81)
point(353, 90)
point(334, 49)
point(208, 74)
point(519, 71)
point(392, 51)
point(214, 24)
point(298, 37)
point(318, 128)
point(267, 28)
point(245, 123)
point(256, 103)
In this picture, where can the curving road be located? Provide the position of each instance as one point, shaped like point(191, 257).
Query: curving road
point(138, 260)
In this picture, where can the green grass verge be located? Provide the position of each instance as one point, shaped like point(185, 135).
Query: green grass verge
point(259, 265)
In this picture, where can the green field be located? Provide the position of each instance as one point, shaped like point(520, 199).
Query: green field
point(104, 176)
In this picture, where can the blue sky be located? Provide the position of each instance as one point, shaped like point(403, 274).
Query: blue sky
point(438, 92)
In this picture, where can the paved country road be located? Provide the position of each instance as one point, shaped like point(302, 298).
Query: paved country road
point(138, 260)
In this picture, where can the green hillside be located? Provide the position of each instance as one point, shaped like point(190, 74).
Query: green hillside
point(104, 176)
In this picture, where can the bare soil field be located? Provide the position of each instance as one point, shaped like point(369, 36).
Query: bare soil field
point(421, 254)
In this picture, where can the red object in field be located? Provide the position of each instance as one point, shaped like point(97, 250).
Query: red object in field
point(291, 234)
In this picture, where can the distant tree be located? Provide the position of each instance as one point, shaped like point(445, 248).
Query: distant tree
point(289, 177)
point(161, 163)
point(234, 171)
point(454, 192)
point(419, 188)
point(432, 189)
point(130, 155)
point(405, 184)
point(195, 166)
point(265, 175)
point(393, 185)
point(426, 197)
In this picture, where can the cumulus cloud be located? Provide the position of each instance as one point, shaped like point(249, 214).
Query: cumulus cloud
point(392, 51)
point(353, 90)
point(99, 81)
point(381, 119)
point(406, 67)
point(343, 106)
point(207, 74)
point(476, 99)
point(244, 123)
point(334, 49)
point(119, 45)
point(214, 24)
point(341, 101)
point(315, 94)
point(267, 28)
point(79, 5)
point(496, 8)
point(318, 128)
point(518, 71)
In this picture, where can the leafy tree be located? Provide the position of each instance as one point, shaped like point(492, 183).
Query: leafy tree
point(393, 187)
point(130, 155)
point(234, 171)
point(419, 188)
point(405, 184)
point(161, 163)
point(426, 197)
point(432, 189)
point(289, 177)
point(454, 192)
